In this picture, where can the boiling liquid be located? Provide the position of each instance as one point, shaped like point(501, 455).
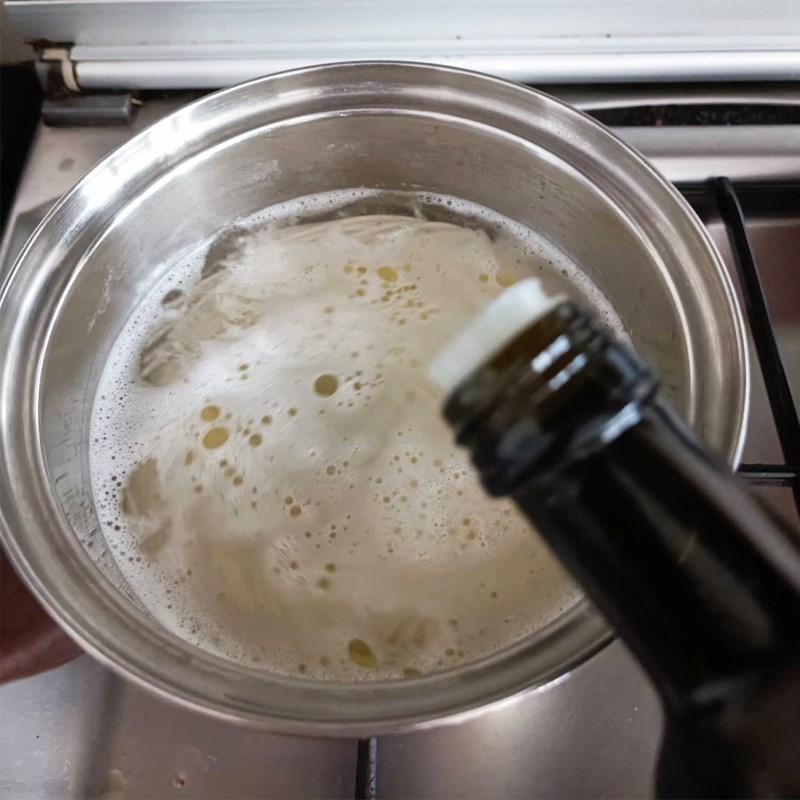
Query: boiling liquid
point(269, 461)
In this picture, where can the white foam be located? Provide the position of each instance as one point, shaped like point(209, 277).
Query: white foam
point(352, 516)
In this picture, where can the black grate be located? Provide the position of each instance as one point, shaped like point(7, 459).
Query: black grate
point(367, 769)
point(732, 204)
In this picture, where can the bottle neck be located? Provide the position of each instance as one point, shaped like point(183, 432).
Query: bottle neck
point(560, 387)
point(693, 573)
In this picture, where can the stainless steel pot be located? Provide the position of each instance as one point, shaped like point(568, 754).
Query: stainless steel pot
point(381, 125)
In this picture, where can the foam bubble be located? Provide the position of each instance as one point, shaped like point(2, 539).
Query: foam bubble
point(301, 492)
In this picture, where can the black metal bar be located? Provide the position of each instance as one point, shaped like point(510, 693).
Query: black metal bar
point(367, 769)
point(787, 423)
point(769, 474)
point(756, 198)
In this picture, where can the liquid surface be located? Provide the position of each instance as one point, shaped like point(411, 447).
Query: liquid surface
point(269, 461)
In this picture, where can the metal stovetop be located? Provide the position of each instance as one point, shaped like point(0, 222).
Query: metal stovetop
point(79, 731)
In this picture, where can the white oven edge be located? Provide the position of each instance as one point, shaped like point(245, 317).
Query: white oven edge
point(205, 44)
point(206, 72)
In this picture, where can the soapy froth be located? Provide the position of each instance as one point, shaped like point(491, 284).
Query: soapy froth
point(269, 462)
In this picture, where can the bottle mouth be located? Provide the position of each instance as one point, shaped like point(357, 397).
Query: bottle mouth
point(490, 331)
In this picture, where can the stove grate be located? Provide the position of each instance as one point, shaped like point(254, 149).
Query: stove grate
point(733, 203)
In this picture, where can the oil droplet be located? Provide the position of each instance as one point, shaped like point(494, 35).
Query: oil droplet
point(483, 277)
point(189, 458)
point(255, 440)
point(216, 437)
point(506, 277)
point(326, 385)
point(387, 274)
point(295, 511)
point(361, 270)
point(210, 413)
point(361, 654)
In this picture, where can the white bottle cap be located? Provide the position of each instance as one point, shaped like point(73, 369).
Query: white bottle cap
point(489, 332)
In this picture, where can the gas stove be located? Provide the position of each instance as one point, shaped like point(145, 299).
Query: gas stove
point(80, 731)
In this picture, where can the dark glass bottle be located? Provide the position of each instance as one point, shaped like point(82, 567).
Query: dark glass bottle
point(699, 579)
